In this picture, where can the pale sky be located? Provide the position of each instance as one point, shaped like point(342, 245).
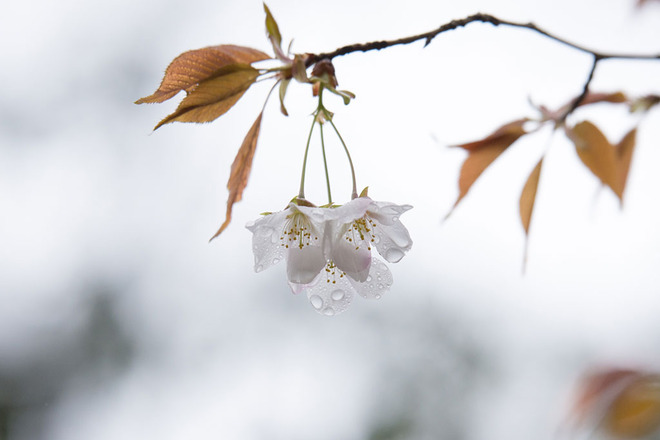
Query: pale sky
point(95, 204)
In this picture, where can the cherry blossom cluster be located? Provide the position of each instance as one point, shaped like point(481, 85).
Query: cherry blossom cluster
point(328, 250)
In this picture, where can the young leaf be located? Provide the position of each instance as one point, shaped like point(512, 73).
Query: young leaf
point(272, 28)
point(284, 84)
point(624, 152)
point(596, 153)
point(528, 196)
point(273, 31)
point(214, 96)
point(483, 152)
point(192, 67)
point(299, 70)
point(240, 171)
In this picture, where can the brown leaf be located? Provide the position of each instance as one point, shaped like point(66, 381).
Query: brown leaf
point(528, 196)
point(240, 171)
point(624, 153)
point(483, 152)
point(635, 412)
point(194, 66)
point(597, 154)
point(214, 96)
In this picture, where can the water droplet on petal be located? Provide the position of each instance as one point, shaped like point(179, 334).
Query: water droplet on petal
point(378, 296)
point(276, 260)
point(258, 268)
point(337, 295)
point(394, 255)
point(381, 286)
point(316, 301)
point(395, 218)
point(376, 238)
point(265, 231)
point(328, 311)
point(379, 278)
point(368, 278)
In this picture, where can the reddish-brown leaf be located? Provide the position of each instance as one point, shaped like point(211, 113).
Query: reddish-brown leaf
point(596, 153)
point(483, 152)
point(591, 98)
point(641, 3)
point(475, 164)
point(528, 196)
point(596, 388)
point(505, 135)
point(192, 67)
point(624, 153)
point(240, 171)
point(214, 96)
point(595, 97)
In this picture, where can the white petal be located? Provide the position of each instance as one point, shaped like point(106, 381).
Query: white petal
point(304, 264)
point(317, 216)
point(350, 211)
point(391, 238)
point(355, 262)
point(392, 242)
point(266, 244)
point(377, 283)
point(298, 288)
point(387, 213)
point(331, 296)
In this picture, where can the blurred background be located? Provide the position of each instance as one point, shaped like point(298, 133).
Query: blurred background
point(118, 320)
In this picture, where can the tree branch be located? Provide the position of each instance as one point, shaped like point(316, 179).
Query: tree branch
point(585, 90)
point(484, 18)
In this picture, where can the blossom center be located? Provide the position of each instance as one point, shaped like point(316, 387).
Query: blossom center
point(361, 233)
point(298, 231)
point(332, 272)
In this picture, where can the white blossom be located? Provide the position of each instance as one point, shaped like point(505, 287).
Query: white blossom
point(294, 234)
point(329, 250)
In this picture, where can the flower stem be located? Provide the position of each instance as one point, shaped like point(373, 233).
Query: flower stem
point(325, 165)
point(350, 161)
point(301, 193)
